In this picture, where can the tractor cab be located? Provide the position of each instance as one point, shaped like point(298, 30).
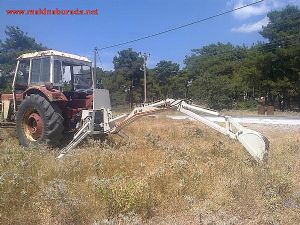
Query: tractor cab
point(63, 78)
point(60, 76)
point(62, 71)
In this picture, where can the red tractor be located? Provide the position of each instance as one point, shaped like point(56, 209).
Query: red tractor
point(50, 89)
point(55, 93)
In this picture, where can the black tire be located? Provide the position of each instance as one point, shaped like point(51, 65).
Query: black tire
point(51, 127)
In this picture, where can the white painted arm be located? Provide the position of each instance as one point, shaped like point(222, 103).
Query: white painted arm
point(255, 143)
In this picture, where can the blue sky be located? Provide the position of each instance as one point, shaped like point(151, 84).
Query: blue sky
point(123, 20)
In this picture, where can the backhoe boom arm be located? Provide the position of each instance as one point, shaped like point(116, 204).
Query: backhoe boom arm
point(255, 143)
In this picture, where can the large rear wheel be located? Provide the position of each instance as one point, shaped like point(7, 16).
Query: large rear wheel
point(38, 121)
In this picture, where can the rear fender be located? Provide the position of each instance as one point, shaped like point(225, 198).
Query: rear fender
point(51, 95)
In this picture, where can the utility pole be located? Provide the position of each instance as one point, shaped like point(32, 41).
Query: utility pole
point(95, 69)
point(145, 57)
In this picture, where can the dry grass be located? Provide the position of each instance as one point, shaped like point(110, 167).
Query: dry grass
point(167, 172)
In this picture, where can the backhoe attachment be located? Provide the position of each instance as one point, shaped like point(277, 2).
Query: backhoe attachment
point(255, 143)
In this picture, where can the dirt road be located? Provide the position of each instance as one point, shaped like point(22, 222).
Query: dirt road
point(250, 120)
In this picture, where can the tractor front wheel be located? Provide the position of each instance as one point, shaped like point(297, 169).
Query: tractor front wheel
point(38, 120)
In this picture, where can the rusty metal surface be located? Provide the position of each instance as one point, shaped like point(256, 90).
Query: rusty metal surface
point(7, 97)
point(7, 124)
point(19, 97)
point(33, 126)
point(52, 95)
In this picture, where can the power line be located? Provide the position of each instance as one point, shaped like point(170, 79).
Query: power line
point(99, 58)
point(182, 26)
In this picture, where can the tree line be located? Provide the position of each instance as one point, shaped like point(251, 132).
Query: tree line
point(219, 75)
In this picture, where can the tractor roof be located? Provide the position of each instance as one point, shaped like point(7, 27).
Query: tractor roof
point(56, 53)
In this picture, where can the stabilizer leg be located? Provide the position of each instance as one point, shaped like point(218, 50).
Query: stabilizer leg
point(78, 137)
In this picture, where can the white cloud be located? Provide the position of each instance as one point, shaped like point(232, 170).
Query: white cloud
point(258, 9)
point(247, 28)
point(250, 11)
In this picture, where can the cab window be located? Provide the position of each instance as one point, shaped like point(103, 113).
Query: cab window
point(40, 70)
point(57, 72)
point(22, 75)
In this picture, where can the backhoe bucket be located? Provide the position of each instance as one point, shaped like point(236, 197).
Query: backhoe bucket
point(255, 143)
